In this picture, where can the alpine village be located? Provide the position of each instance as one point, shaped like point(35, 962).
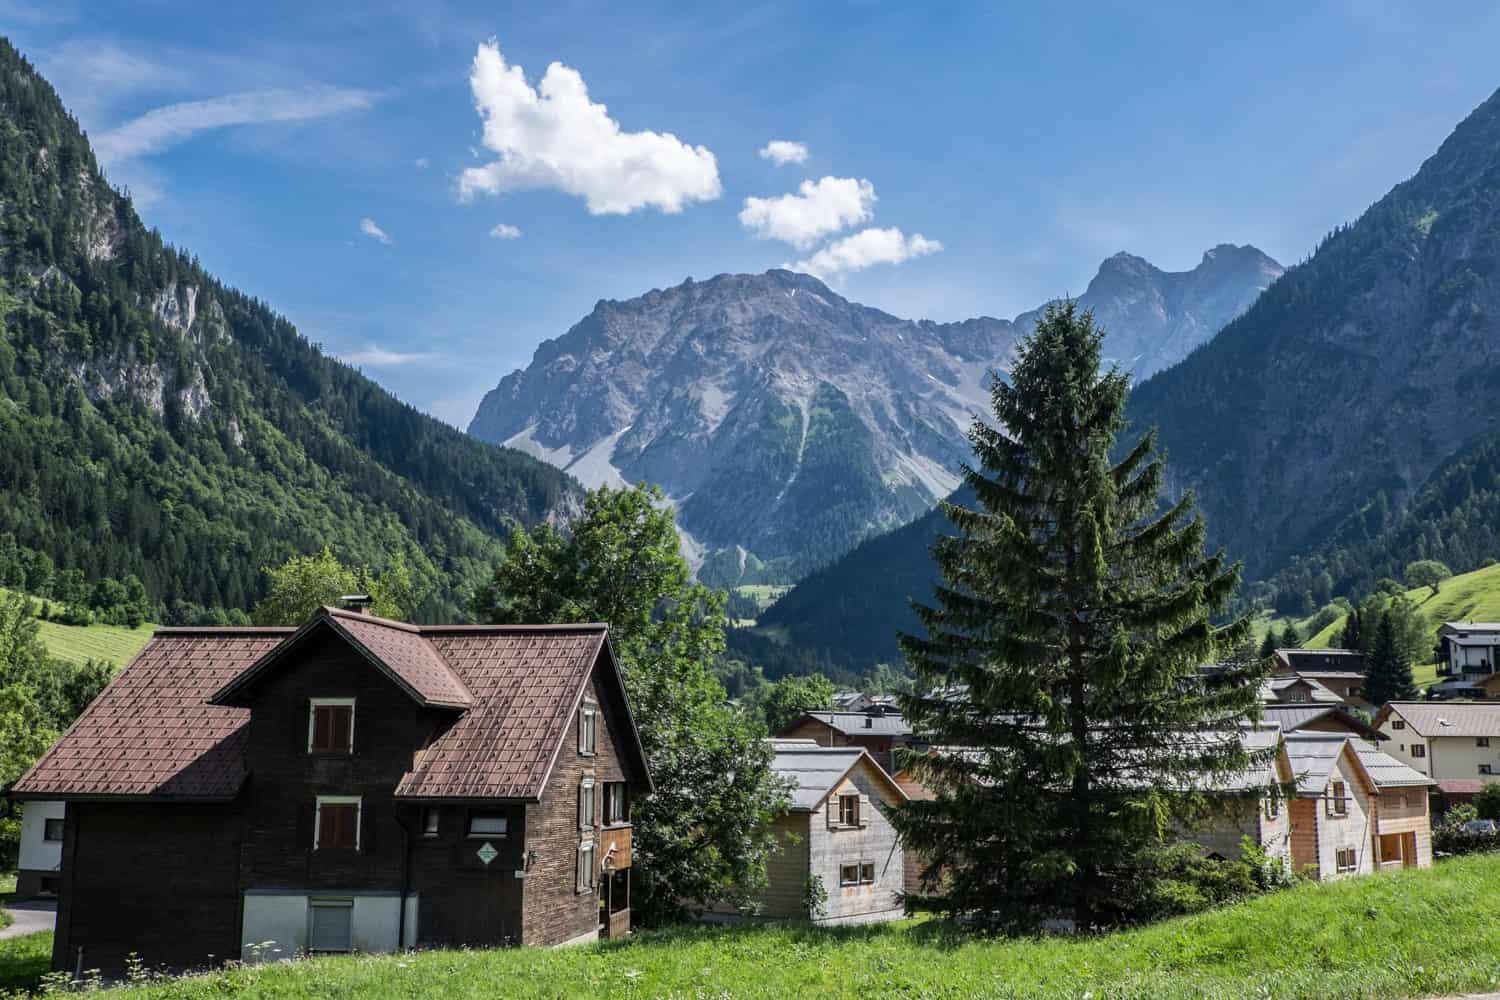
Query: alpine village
point(737, 639)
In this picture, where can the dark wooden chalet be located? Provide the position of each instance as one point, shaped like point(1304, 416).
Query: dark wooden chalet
point(355, 784)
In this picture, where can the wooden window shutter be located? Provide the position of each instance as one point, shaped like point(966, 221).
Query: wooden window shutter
point(322, 738)
point(580, 807)
point(864, 811)
point(831, 811)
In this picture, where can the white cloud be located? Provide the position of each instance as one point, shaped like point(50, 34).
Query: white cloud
point(784, 151)
point(864, 249)
point(162, 127)
point(818, 209)
point(505, 231)
point(375, 356)
point(556, 137)
point(90, 74)
point(421, 162)
point(369, 228)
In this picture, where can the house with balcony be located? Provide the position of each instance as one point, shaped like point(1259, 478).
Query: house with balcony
point(355, 784)
point(1467, 655)
point(1455, 743)
point(1339, 671)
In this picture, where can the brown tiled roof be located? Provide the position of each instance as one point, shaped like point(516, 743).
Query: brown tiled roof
point(526, 686)
point(161, 731)
point(397, 649)
point(153, 732)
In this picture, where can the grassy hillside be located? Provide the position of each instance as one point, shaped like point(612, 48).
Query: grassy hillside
point(78, 644)
point(1412, 934)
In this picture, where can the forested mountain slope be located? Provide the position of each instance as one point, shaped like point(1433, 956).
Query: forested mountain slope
point(156, 423)
point(1346, 424)
point(1355, 376)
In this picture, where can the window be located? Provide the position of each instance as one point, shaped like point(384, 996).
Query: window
point(848, 874)
point(330, 726)
point(848, 810)
point(1398, 724)
point(1337, 804)
point(52, 829)
point(329, 922)
point(51, 885)
point(1486, 769)
point(488, 825)
point(586, 866)
point(337, 826)
point(616, 803)
point(1346, 860)
point(431, 821)
point(857, 873)
point(1419, 750)
point(586, 809)
point(588, 728)
point(867, 872)
point(1273, 806)
point(1481, 741)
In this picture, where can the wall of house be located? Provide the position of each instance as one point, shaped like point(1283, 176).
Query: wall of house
point(1354, 829)
point(809, 729)
point(911, 882)
point(1446, 757)
point(463, 902)
point(39, 857)
point(275, 924)
point(554, 912)
point(1247, 818)
point(1303, 814)
point(874, 841)
point(157, 880)
point(389, 727)
point(783, 897)
point(1406, 811)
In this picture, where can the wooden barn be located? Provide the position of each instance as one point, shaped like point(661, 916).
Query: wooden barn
point(354, 784)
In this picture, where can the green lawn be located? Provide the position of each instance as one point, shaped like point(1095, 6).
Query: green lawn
point(23, 961)
point(79, 643)
point(7, 889)
point(1410, 934)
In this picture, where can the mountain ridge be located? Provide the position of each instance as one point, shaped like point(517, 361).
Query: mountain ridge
point(787, 430)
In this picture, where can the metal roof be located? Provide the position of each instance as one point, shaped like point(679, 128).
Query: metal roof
point(864, 723)
point(1384, 770)
point(1293, 717)
point(1447, 718)
point(812, 771)
point(1313, 757)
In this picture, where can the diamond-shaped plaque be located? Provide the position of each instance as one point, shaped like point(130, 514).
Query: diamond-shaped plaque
point(487, 852)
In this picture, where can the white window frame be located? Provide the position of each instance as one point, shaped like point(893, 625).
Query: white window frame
point(873, 875)
point(1339, 866)
point(504, 819)
point(840, 805)
point(313, 704)
point(1419, 751)
point(1337, 792)
point(588, 729)
point(1486, 769)
point(845, 866)
point(356, 801)
point(330, 903)
point(586, 846)
point(588, 799)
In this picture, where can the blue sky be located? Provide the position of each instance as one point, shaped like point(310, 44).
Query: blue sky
point(979, 159)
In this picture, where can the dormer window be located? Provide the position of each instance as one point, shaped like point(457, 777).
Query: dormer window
point(588, 729)
point(330, 725)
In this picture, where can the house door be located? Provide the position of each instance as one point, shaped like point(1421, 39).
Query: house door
point(1393, 851)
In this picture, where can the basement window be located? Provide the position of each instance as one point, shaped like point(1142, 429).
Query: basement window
point(1346, 859)
point(867, 873)
point(849, 874)
point(330, 923)
point(337, 825)
point(330, 726)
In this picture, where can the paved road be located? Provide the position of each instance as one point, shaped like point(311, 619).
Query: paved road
point(30, 918)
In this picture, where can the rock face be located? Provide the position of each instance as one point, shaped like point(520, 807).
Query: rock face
point(787, 423)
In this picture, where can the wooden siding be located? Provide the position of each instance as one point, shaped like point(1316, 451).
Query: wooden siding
point(874, 841)
point(553, 910)
point(1304, 834)
point(1394, 817)
point(160, 882)
point(462, 902)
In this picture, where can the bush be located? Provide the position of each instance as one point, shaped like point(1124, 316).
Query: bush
point(1451, 836)
point(1187, 881)
point(1487, 802)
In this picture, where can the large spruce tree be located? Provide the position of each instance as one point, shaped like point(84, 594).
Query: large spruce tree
point(1062, 679)
point(1388, 674)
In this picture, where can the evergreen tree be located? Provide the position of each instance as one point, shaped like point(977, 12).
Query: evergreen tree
point(1349, 637)
point(1268, 644)
point(1290, 637)
point(1065, 656)
point(1387, 668)
point(703, 836)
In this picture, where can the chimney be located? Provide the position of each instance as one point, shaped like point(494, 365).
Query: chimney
point(358, 603)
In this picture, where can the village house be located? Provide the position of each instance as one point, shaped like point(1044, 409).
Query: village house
point(1301, 704)
point(1456, 743)
point(837, 834)
point(1355, 810)
point(1341, 671)
point(1467, 654)
point(879, 729)
point(354, 784)
point(39, 863)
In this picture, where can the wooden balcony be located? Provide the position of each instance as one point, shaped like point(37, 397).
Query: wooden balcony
point(614, 846)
